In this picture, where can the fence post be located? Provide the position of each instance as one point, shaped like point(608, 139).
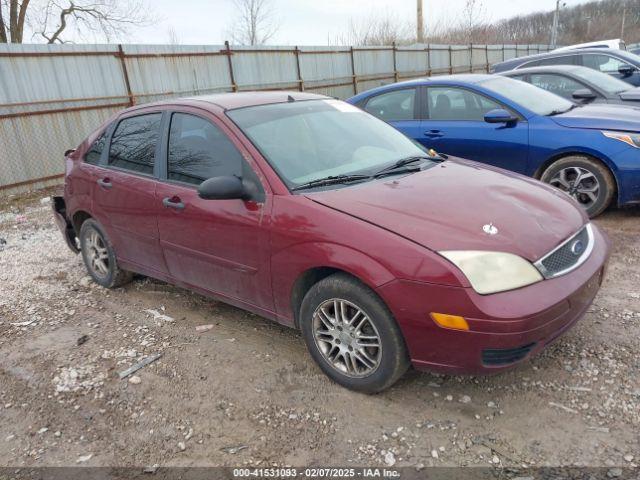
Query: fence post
point(486, 55)
point(395, 65)
point(471, 57)
point(353, 72)
point(428, 59)
point(450, 60)
point(125, 74)
point(300, 81)
point(503, 54)
point(228, 52)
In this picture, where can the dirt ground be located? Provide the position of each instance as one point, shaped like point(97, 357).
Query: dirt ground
point(245, 392)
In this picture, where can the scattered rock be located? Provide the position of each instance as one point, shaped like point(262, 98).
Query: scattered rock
point(82, 340)
point(628, 458)
point(389, 459)
point(465, 399)
point(434, 453)
point(181, 446)
point(135, 380)
point(204, 328)
point(84, 458)
point(233, 450)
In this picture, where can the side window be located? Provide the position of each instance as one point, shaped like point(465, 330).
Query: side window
point(199, 150)
point(562, 60)
point(447, 103)
point(133, 144)
point(602, 63)
point(558, 84)
point(95, 152)
point(396, 105)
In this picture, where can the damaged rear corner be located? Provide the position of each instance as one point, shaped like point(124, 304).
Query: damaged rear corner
point(64, 224)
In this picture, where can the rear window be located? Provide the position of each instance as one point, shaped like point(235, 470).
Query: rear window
point(95, 152)
point(133, 145)
point(396, 105)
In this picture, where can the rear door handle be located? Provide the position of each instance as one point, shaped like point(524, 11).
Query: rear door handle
point(433, 134)
point(105, 183)
point(173, 202)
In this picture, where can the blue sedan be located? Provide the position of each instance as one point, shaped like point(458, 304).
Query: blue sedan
point(590, 152)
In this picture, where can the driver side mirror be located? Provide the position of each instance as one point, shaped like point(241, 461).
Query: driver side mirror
point(500, 115)
point(222, 188)
point(626, 70)
point(585, 94)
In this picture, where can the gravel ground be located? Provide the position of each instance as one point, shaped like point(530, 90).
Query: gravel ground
point(245, 393)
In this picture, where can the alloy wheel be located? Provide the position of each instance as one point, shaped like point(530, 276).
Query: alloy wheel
point(578, 183)
point(347, 338)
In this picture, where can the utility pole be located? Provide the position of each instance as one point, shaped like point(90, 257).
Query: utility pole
point(624, 17)
point(420, 23)
point(554, 29)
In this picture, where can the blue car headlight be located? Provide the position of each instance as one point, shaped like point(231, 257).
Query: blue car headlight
point(632, 139)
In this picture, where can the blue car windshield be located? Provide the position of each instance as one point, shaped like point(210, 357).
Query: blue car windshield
point(528, 96)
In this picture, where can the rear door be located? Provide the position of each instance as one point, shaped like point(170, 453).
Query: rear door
point(400, 108)
point(221, 246)
point(124, 194)
point(454, 124)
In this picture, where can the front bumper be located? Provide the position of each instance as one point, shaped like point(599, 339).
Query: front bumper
point(504, 328)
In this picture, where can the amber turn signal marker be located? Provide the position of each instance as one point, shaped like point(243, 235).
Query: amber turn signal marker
point(450, 321)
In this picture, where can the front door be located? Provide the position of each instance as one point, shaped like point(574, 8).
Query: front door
point(455, 125)
point(124, 193)
point(220, 246)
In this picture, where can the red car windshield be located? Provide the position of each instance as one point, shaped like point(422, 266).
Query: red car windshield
point(309, 140)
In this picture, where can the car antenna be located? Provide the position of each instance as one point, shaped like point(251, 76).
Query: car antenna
point(290, 98)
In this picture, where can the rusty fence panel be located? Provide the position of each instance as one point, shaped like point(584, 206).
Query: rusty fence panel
point(53, 96)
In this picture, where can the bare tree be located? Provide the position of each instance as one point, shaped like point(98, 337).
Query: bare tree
point(384, 29)
point(255, 23)
point(172, 36)
point(55, 21)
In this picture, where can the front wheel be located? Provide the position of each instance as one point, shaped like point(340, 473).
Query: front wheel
point(351, 335)
point(585, 179)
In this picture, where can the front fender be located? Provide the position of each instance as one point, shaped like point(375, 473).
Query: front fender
point(292, 262)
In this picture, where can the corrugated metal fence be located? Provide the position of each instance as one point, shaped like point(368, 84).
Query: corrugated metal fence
point(52, 96)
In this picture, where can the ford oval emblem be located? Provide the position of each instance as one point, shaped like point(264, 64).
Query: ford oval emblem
point(577, 247)
point(490, 229)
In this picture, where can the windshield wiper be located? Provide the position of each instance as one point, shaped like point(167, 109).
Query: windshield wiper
point(405, 161)
point(558, 112)
point(331, 180)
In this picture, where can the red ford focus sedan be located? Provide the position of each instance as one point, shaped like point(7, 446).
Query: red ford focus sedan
point(308, 211)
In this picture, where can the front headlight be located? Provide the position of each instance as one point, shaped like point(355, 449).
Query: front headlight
point(632, 139)
point(492, 272)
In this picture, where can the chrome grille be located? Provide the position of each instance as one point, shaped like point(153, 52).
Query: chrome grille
point(569, 255)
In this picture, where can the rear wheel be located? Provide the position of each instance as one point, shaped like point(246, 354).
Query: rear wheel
point(99, 256)
point(352, 335)
point(585, 179)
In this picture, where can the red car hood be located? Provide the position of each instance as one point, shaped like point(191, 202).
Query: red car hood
point(445, 208)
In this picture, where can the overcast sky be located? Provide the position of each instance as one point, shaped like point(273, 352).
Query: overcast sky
point(310, 22)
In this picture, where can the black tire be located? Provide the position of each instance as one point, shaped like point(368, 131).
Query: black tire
point(606, 182)
point(393, 359)
point(113, 276)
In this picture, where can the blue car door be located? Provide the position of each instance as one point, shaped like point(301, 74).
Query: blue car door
point(454, 124)
point(399, 107)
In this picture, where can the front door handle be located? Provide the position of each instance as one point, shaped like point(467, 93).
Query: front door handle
point(433, 134)
point(173, 202)
point(105, 182)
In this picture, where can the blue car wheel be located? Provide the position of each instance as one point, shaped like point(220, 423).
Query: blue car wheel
point(585, 179)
